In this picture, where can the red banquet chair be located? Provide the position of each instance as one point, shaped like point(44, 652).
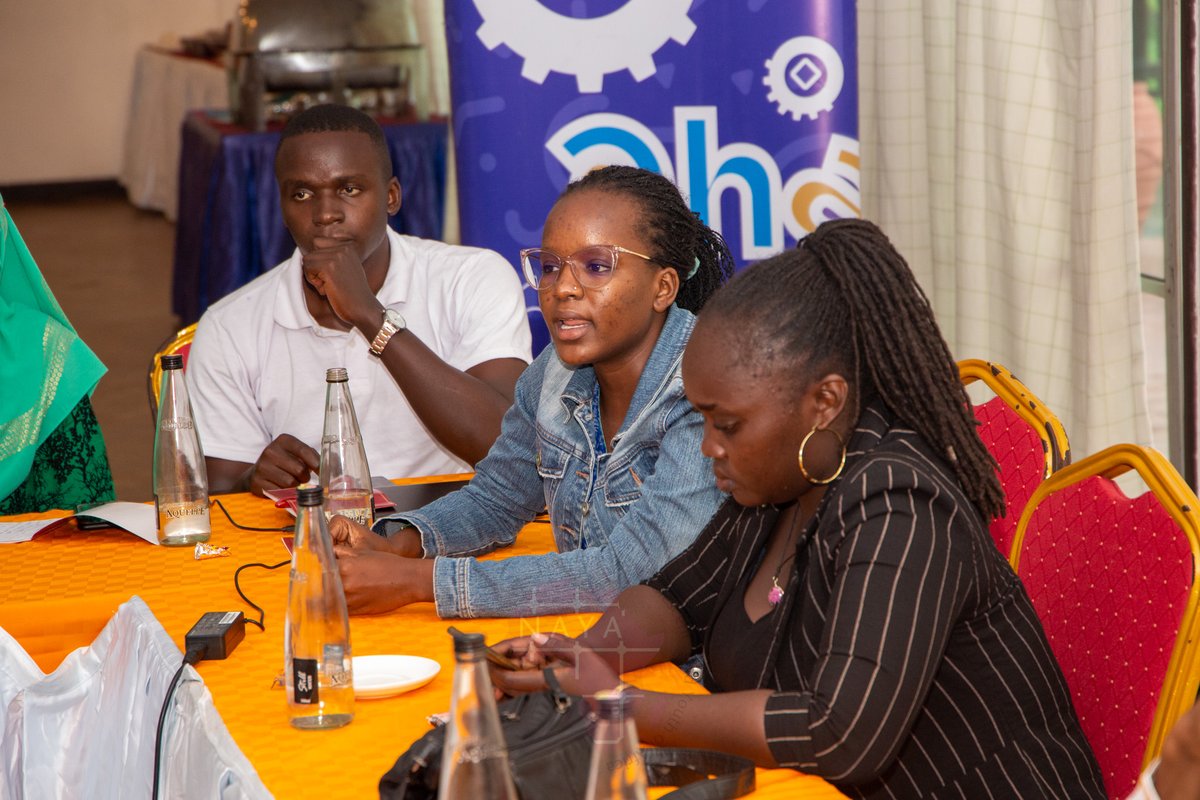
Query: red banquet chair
point(178, 342)
point(1113, 580)
point(1022, 434)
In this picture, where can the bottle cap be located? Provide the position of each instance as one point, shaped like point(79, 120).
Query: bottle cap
point(613, 704)
point(310, 495)
point(172, 361)
point(467, 643)
point(336, 375)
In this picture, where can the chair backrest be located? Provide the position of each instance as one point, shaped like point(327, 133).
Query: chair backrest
point(1113, 580)
point(1022, 434)
point(179, 342)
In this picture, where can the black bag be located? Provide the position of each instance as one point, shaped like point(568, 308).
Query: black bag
point(549, 738)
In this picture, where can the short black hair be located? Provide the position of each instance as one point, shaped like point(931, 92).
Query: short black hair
point(332, 118)
point(678, 237)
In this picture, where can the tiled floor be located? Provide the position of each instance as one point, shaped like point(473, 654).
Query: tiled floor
point(110, 267)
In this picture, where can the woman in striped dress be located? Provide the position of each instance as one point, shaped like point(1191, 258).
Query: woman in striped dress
point(855, 620)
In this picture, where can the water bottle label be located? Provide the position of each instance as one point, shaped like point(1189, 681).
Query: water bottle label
point(182, 518)
point(333, 438)
point(176, 424)
point(335, 665)
point(360, 515)
point(183, 510)
point(304, 680)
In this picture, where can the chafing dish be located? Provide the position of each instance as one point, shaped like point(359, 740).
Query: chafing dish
point(284, 54)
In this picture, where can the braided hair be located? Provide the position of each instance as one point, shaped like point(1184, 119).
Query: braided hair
point(678, 237)
point(845, 301)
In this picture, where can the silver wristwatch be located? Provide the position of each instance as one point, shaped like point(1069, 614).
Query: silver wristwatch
point(393, 323)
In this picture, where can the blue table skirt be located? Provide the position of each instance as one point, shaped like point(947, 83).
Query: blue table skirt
point(230, 229)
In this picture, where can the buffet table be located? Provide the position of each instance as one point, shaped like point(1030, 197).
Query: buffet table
point(62, 587)
point(230, 229)
point(166, 85)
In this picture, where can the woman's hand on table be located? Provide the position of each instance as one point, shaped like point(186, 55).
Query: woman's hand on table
point(578, 668)
point(376, 581)
point(349, 535)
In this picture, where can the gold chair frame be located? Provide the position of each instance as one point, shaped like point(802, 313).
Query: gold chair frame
point(1020, 399)
point(1183, 670)
point(172, 344)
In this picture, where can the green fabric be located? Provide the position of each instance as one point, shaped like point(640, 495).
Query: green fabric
point(70, 469)
point(45, 368)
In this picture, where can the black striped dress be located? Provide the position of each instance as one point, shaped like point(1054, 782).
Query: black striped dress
point(906, 658)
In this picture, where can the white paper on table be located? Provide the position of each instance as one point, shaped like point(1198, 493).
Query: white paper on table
point(13, 532)
point(137, 518)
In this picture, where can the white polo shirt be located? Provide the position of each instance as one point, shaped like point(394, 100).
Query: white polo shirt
point(257, 367)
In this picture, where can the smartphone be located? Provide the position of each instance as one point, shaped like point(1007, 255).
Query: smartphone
point(86, 523)
point(502, 661)
point(493, 655)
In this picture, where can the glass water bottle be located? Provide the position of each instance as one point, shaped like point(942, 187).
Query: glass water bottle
point(180, 477)
point(617, 771)
point(316, 643)
point(474, 757)
point(344, 472)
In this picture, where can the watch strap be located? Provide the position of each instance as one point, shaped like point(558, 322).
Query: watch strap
point(386, 331)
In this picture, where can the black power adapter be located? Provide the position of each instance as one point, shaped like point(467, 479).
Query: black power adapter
point(216, 634)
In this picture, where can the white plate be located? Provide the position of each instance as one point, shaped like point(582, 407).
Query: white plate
point(384, 676)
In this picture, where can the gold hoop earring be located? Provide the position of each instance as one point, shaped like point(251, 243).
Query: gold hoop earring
point(841, 464)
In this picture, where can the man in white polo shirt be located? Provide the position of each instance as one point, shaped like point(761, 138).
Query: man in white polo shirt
point(433, 336)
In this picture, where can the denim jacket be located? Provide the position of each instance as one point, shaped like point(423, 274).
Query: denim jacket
point(652, 494)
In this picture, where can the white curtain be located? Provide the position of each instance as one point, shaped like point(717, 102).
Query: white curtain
point(431, 30)
point(431, 27)
point(997, 153)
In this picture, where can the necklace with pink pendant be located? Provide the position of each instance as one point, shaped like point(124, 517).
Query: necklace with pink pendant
point(776, 592)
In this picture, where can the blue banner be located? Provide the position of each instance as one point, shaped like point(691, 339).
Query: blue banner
point(749, 106)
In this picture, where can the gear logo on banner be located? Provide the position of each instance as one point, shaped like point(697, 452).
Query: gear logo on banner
point(589, 49)
point(804, 77)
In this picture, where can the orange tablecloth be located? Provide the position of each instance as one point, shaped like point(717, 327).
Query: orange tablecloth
point(60, 590)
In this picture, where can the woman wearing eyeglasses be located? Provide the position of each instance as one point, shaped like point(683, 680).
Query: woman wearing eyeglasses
point(854, 616)
point(600, 434)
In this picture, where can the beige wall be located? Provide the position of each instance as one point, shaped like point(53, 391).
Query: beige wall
point(65, 73)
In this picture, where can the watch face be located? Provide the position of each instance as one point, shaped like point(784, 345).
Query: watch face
point(393, 316)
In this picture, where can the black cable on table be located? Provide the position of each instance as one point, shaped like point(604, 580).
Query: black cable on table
point(225, 511)
point(262, 615)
